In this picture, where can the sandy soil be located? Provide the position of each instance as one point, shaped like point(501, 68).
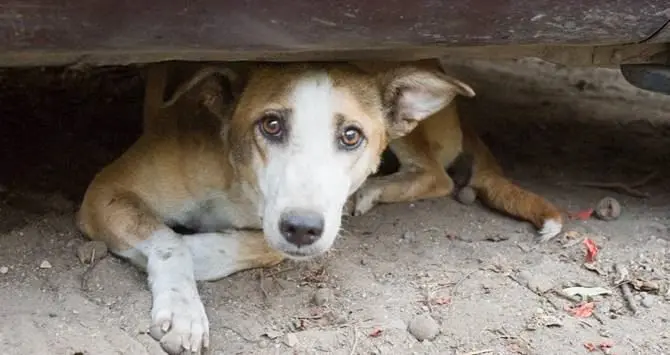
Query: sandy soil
point(488, 287)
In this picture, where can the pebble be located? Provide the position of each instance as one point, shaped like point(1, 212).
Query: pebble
point(290, 340)
point(466, 195)
point(4, 270)
point(91, 250)
point(322, 296)
point(45, 265)
point(409, 236)
point(608, 209)
point(424, 327)
point(647, 301)
point(263, 344)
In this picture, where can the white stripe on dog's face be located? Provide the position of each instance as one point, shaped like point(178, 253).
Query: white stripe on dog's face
point(306, 172)
point(306, 175)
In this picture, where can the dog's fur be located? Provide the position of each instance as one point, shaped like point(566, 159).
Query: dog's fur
point(205, 162)
point(438, 143)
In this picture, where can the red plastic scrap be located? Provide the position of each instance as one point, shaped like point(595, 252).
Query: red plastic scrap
point(590, 347)
point(375, 333)
point(591, 250)
point(608, 344)
point(443, 300)
point(582, 215)
point(583, 310)
point(603, 346)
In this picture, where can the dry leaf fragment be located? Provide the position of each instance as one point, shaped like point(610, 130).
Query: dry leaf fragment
point(586, 292)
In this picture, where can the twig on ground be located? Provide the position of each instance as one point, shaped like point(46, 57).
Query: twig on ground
point(89, 269)
point(273, 274)
point(628, 189)
point(355, 343)
point(310, 317)
point(261, 279)
point(479, 352)
point(459, 282)
point(623, 283)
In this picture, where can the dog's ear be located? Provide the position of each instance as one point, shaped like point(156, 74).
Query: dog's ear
point(411, 95)
point(213, 86)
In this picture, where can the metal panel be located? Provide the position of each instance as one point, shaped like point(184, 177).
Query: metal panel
point(251, 29)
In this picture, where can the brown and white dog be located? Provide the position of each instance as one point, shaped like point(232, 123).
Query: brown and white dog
point(258, 161)
point(439, 142)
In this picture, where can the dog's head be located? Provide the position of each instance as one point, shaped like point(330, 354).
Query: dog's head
point(303, 137)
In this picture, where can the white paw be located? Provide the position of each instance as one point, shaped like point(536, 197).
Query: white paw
point(366, 198)
point(550, 229)
point(179, 322)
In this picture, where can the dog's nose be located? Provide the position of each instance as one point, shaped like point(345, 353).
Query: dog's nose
point(301, 227)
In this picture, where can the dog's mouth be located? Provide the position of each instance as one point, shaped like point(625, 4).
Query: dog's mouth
point(299, 254)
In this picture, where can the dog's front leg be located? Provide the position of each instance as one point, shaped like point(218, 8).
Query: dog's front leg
point(131, 230)
point(403, 186)
point(178, 316)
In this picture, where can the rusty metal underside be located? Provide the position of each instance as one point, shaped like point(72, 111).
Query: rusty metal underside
point(98, 32)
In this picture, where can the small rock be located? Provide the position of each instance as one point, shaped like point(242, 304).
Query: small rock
point(290, 340)
point(4, 270)
point(45, 265)
point(263, 344)
point(91, 251)
point(466, 195)
point(322, 296)
point(408, 236)
point(608, 209)
point(644, 285)
point(647, 301)
point(424, 327)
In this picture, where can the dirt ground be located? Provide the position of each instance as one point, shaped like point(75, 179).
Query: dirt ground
point(482, 277)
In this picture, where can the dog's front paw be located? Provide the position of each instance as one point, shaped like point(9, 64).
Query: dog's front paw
point(179, 323)
point(365, 199)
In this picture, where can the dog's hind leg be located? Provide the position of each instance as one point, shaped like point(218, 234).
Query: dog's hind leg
point(403, 186)
point(421, 176)
point(498, 192)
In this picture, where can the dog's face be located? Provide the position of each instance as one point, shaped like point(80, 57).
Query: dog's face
point(304, 137)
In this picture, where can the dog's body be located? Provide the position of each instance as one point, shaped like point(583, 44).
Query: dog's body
point(259, 162)
point(428, 151)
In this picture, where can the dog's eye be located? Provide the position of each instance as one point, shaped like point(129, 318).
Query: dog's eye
point(271, 125)
point(351, 137)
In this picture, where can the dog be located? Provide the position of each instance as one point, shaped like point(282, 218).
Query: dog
point(258, 160)
point(443, 141)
